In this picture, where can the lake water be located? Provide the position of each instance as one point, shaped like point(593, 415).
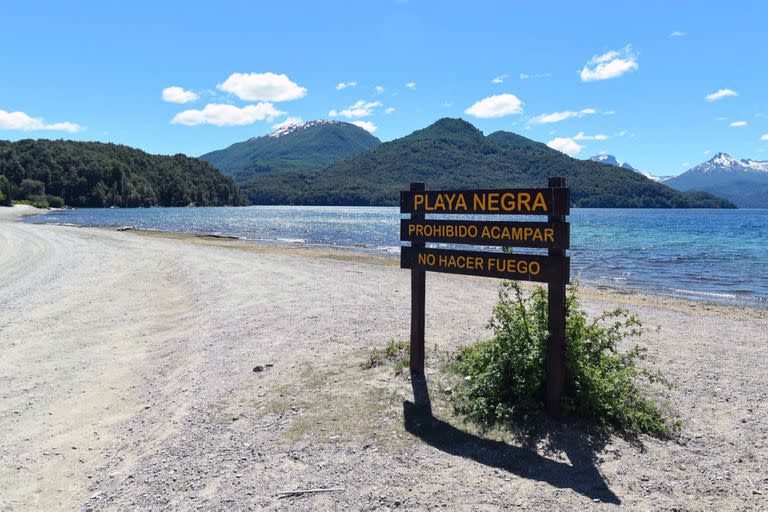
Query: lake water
point(713, 255)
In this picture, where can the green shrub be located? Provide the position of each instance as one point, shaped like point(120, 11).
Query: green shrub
point(38, 201)
point(31, 188)
point(5, 191)
point(55, 201)
point(503, 377)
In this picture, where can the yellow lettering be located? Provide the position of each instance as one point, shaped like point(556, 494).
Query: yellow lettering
point(524, 199)
point(479, 202)
point(508, 202)
point(493, 202)
point(539, 202)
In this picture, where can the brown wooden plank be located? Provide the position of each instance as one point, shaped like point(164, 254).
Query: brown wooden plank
point(513, 201)
point(519, 267)
point(501, 234)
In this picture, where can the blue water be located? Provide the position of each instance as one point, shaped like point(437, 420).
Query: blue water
point(712, 255)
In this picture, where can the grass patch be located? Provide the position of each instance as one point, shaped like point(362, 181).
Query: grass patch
point(396, 352)
point(500, 381)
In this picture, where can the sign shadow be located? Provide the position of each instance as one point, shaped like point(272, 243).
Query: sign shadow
point(582, 476)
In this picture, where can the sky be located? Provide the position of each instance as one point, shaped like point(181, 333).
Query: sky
point(661, 85)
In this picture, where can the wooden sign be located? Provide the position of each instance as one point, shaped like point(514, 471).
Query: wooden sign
point(513, 201)
point(517, 267)
point(502, 234)
point(552, 268)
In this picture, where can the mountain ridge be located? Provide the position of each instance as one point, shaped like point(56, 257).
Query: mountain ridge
point(452, 153)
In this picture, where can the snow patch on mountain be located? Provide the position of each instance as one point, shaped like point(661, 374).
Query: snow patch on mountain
point(605, 158)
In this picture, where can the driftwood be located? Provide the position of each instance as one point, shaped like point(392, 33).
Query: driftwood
point(285, 494)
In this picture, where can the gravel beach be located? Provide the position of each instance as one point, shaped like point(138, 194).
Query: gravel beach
point(149, 371)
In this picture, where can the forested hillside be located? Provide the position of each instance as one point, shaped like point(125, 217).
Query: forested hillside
point(452, 153)
point(303, 147)
point(93, 174)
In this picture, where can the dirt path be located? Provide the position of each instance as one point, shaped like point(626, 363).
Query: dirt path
point(127, 382)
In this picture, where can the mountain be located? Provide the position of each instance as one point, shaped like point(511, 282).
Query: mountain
point(304, 147)
point(451, 153)
point(605, 158)
point(59, 172)
point(744, 182)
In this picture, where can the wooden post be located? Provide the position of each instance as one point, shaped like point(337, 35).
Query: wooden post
point(555, 368)
point(418, 287)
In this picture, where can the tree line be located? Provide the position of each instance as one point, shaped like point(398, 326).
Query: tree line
point(94, 174)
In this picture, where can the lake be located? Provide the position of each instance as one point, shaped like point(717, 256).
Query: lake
point(713, 255)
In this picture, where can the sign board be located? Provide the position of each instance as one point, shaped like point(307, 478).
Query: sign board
point(518, 267)
point(552, 268)
point(513, 201)
point(543, 235)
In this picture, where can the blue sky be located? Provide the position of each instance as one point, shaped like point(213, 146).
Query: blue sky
point(629, 79)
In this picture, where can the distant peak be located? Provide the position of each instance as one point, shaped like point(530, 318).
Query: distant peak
point(725, 162)
point(722, 159)
point(448, 127)
point(605, 158)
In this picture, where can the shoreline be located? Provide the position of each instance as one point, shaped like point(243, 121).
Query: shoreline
point(343, 252)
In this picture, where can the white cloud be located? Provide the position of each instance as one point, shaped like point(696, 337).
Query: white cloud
point(764, 137)
point(411, 85)
point(25, 123)
point(685, 164)
point(345, 85)
point(707, 151)
point(219, 114)
point(389, 110)
point(620, 134)
point(565, 145)
point(611, 64)
point(262, 87)
point(360, 109)
point(527, 76)
point(176, 94)
point(737, 124)
point(379, 89)
point(581, 136)
point(288, 122)
point(677, 33)
point(496, 106)
point(365, 125)
point(499, 79)
point(556, 117)
point(720, 94)
point(446, 104)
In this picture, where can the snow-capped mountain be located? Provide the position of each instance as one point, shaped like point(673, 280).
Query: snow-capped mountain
point(605, 158)
point(294, 146)
point(724, 163)
point(744, 182)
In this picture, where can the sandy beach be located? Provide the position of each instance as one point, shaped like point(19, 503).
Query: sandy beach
point(127, 382)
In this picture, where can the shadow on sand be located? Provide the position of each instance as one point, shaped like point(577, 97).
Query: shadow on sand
point(581, 475)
